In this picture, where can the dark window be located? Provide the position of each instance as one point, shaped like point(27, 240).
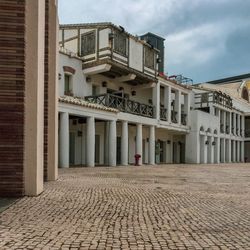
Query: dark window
point(149, 57)
point(67, 85)
point(245, 94)
point(88, 44)
point(120, 43)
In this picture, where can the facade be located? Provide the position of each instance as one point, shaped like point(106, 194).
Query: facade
point(113, 104)
point(28, 96)
point(220, 121)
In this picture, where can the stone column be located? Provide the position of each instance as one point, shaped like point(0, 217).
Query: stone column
point(156, 100)
point(106, 149)
point(238, 151)
point(139, 141)
point(90, 142)
point(230, 123)
point(223, 150)
point(187, 107)
point(217, 150)
point(34, 94)
point(210, 150)
point(238, 125)
point(152, 145)
point(225, 121)
point(177, 106)
point(167, 101)
point(124, 143)
point(242, 151)
point(64, 140)
point(228, 151)
point(233, 151)
point(112, 143)
point(234, 121)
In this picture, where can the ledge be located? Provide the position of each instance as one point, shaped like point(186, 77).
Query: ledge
point(80, 102)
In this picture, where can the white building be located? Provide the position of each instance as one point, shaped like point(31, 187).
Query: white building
point(113, 104)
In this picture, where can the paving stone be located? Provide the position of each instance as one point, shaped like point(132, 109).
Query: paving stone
point(148, 207)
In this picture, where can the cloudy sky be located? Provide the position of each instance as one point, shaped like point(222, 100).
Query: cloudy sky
point(205, 39)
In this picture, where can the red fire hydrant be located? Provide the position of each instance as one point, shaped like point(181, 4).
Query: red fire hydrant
point(137, 159)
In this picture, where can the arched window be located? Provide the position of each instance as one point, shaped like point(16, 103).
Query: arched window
point(244, 94)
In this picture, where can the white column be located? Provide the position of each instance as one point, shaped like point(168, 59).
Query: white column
point(210, 150)
point(139, 141)
point(106, 149)
point(243, 126)
point(225, 122)
point(230, 124)
point(90, 142)
point(124, 144)
point(238, 151)
point(234, 151)
point(64, 140)
point(217, 150)
point(156, 100)
point(223, 150)
point(228, 151)
point(234, 120)
point(167, 101)
point(112, 143)
point(238, 125)
point(177, 106)
point(152, 145)
point(187, 107)
point(242, 151)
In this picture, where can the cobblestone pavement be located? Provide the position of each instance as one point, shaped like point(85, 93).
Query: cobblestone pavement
point(163, 207)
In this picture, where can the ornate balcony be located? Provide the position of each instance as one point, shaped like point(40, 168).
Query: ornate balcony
point(123, 104)
point(163, 114)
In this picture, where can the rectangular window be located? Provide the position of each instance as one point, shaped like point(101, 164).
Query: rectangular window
point(67, 85)
point(149, 56)
point(88, 43)
point(120, 43)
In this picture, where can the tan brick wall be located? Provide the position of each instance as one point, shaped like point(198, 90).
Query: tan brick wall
point(12, 59)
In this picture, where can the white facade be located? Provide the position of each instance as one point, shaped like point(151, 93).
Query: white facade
point(112, 105)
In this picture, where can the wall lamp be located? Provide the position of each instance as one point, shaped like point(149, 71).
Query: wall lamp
point(88, 79)
point(206, 142)
point(104, 84)
point(213, 143)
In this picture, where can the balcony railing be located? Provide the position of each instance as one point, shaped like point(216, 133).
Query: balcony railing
point(184, 119)
point(163, 114)
point(123, 104)
point(173, 116)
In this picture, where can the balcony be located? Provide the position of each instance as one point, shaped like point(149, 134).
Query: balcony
point(203, 100)
point(163, 114)
point(123, 104)
point(109, 50)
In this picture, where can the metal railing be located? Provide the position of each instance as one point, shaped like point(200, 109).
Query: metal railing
point(123, 104)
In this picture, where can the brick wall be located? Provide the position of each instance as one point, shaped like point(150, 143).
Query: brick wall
point(12, 87)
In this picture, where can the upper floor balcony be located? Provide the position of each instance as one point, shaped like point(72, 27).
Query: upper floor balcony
point(204, 99)
point(123, 104)
point(109, 50)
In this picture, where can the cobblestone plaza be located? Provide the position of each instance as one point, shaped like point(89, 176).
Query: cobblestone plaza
point(163, 207)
